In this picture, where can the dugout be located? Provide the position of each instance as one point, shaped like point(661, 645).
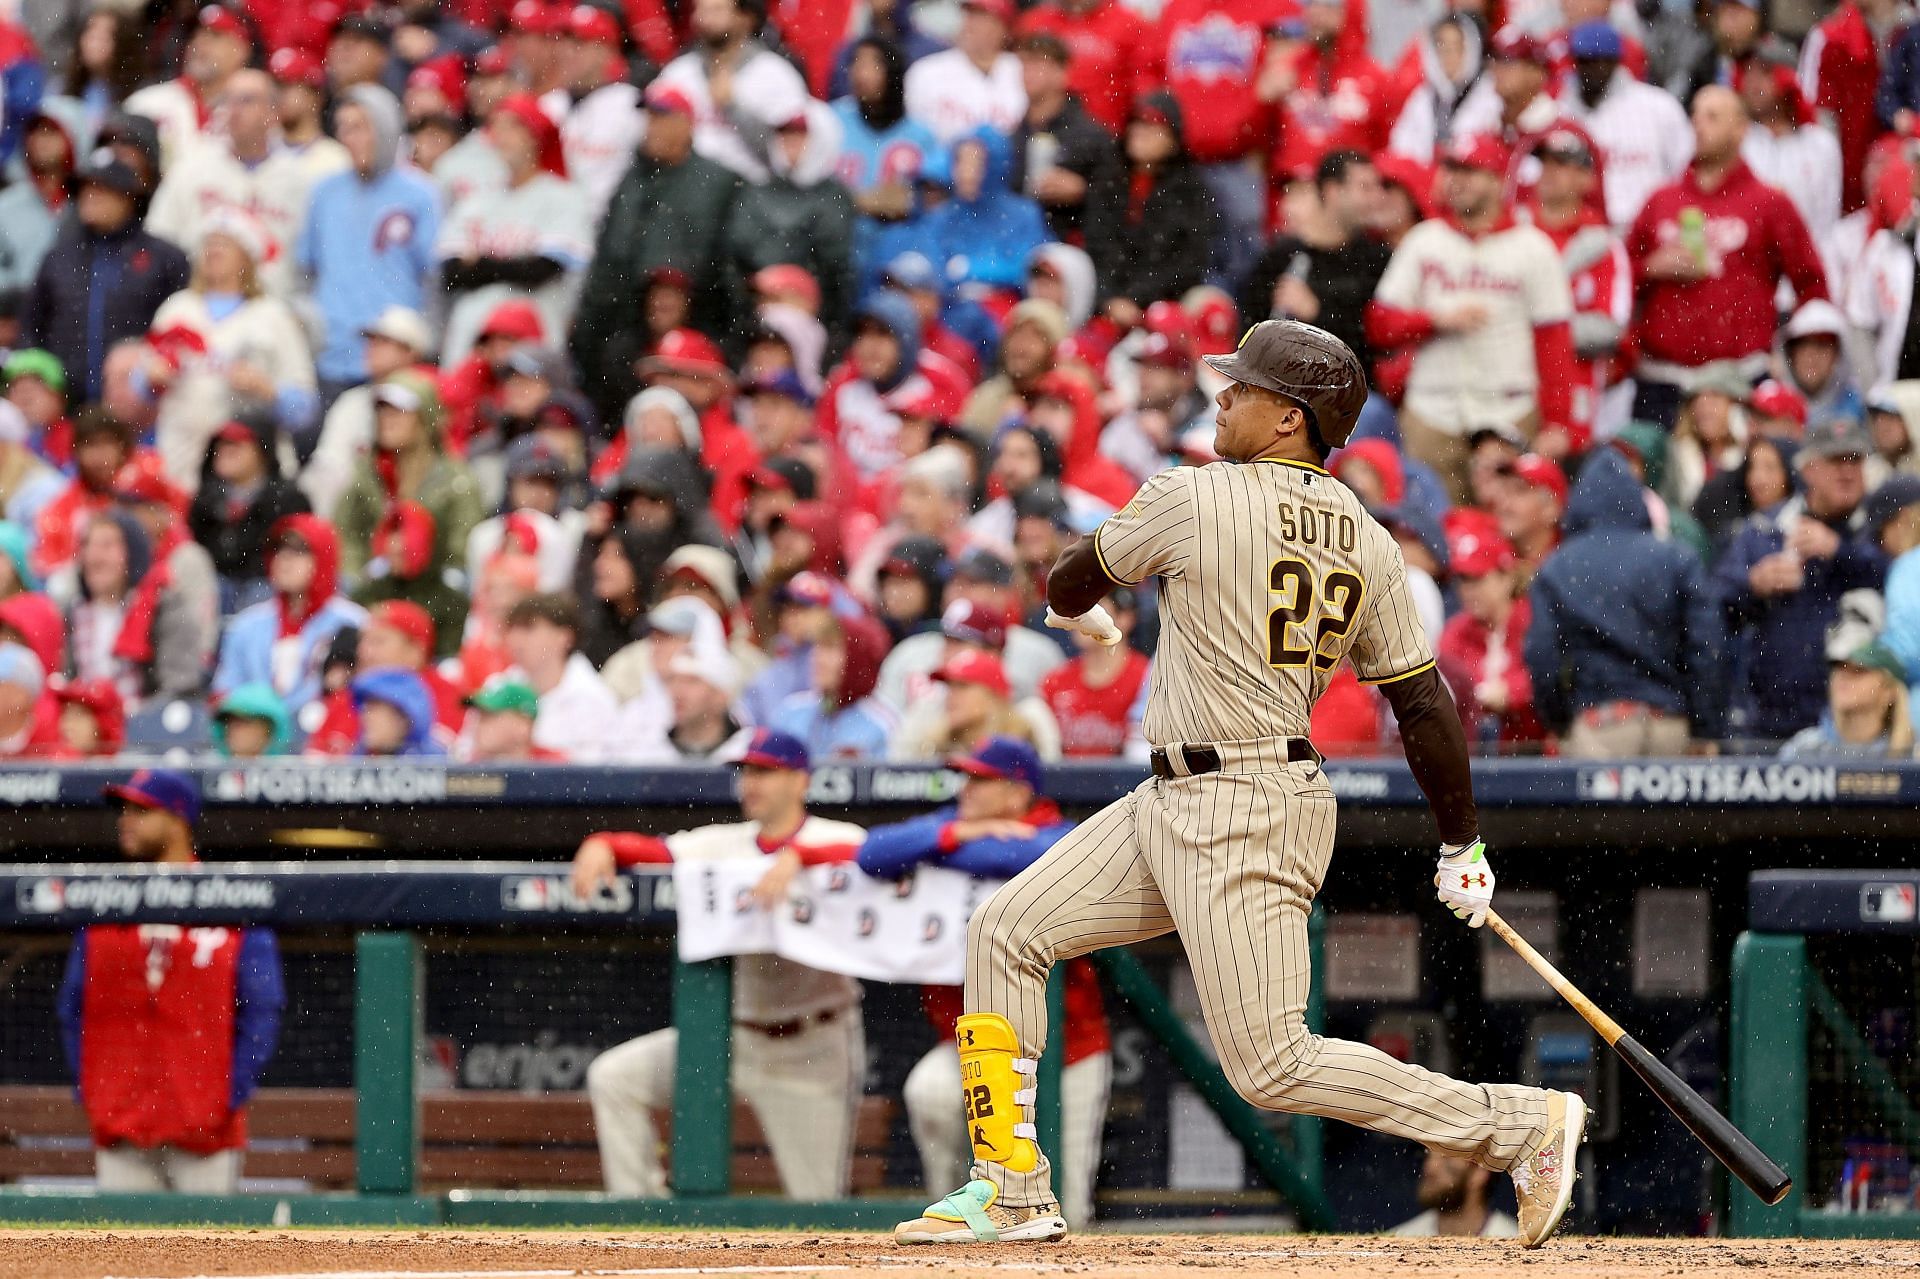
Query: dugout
point(1630, 876)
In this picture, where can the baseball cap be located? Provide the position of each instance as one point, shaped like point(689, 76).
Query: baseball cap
point(105, 169)
point(972, 623)
point(682, 616)
point(516, 320)
point(593, 25)
point(665, 99)
point(1002, 758)
point(771, 748)
point(397, 395)
point(1566, 146)
point(1166, 351)
point(921, 557)
point(215, 17)
point(1477, 151)
point(785, 277)
point(36, 363)
point(403, 325)
point(808, 589)
point(1776, 399)
point(911, 270)
point(1722, 377)
point(1595, 39)
point(983, 566)
point(1884, 503)
point(1542, 472)
point(1817, 318)
point(1875, 656)
point(1476, 553)
point(788, 473)
point(1042, 499)
point(296, 66)
point(1836, 437)
point(159, 788)
point(786, 384)
point(506, 695)
point(1513, 44)
point(533, 458)
point(975, 667)
point(536, 18)
point(406, 617)
point(686, 351)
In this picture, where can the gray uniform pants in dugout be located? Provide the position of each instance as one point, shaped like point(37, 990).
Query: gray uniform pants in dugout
point(1231, 860)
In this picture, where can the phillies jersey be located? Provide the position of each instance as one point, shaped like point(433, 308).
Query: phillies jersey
point(1093, 721)
point(1489, 376)
point(1272, 573)
point(545, 216)
point(206, 180)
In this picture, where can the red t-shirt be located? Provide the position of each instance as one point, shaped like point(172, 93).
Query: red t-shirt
point(1093, 721)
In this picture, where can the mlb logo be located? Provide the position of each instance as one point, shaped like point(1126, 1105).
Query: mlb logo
point(1889, 903)
point(1600, 783)
point(529, 893)
point(40, 896)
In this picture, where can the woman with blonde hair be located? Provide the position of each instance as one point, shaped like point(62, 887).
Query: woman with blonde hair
point(1867, 711)
point(221, 347)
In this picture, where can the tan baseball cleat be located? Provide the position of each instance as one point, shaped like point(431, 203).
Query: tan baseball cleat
point(970, 1215)
point(1543, 1179)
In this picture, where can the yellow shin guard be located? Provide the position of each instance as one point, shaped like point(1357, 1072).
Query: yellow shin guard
point(997, 1085)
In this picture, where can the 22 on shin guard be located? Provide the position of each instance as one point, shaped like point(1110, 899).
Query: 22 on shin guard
point(998, 1088)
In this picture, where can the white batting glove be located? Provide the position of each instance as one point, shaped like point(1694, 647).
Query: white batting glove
point(1465, 881)
point(1096, 624)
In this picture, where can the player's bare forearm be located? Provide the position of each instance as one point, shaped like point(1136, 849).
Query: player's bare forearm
point(1436, 747)
point(1078, 581)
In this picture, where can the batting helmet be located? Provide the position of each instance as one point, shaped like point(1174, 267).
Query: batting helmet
point(1311, 367)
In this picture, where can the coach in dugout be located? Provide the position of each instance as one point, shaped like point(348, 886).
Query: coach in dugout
point(168, 1028)
point(1000, 826)
point(799, 1048)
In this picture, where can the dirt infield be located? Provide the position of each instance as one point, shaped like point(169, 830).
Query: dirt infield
point(268, 1254)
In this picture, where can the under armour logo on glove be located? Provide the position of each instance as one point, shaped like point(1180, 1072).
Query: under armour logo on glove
point(1470, 900)
point(966, 1039)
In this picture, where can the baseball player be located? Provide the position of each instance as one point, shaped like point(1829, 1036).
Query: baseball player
point(1272, 573)
point(799, 1049)
point(168, 1028)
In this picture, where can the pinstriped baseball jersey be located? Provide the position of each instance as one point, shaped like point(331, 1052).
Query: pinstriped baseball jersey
point(1272, 572)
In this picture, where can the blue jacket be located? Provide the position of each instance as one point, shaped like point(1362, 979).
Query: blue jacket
point(893, 850)
point(859, 731)
point(247, 649)
point(1902, 633)
point(409, 694)
point(259, 996)
point(1779, 644)
point(988, 239)
point(1619, 615)
point(369, 246)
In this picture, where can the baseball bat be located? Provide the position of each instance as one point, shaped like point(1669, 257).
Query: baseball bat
point(1728, 1144)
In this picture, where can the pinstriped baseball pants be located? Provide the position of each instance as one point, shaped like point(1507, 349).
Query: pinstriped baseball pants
point(1231, 860)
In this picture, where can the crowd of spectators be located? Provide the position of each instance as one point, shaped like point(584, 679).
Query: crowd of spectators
point(598, 382)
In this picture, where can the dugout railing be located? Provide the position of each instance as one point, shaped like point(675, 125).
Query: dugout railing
point(1689, 830)
point(386, 903)
point(1824, 1069)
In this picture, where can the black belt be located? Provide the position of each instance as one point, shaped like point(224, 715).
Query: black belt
point(1205, 759)
point(788, 1029)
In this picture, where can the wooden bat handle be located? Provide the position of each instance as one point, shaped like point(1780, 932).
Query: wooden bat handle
point(1609, 1028)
